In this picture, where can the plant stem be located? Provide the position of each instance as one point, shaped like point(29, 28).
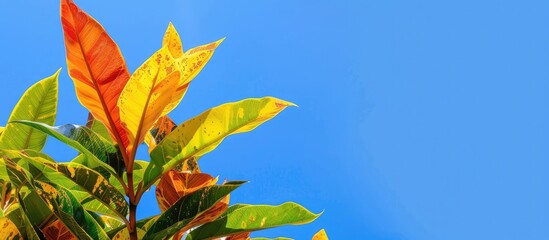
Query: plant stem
point(132, 228)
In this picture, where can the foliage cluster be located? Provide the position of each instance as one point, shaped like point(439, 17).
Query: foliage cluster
point(95, 196)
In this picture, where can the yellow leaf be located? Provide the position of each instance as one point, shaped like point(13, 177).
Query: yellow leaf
point(191, 62)
point(8, 229)
point(146, 95)
point(320, 235)
point(173, 42)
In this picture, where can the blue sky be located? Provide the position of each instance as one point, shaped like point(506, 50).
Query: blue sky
point(417, 119)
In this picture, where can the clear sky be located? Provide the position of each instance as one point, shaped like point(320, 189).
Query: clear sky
point(417, 119)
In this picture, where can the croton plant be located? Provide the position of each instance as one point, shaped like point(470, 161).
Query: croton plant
point(96, 194)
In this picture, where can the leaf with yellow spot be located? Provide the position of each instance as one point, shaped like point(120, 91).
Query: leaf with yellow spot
point(191, 62)
point(247, 218)
point(182, 213)
point(125, 235)
point(38, 103)
point(146, 95)
point(96, 66)
point(8, 230)
point(205, 132)
point(320, 235)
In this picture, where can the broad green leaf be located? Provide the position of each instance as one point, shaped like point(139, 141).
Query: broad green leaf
point(78, 178)
point(247, 218)
point(38, 103)
point(67, 210)
point(146, 94)
point(100, 154)
point(320, 235)
point(99, 128)
point(21, 220)
point(189, 207)
point(90, 181)
point(8, 229)
point(205, 132)
point(96, 67)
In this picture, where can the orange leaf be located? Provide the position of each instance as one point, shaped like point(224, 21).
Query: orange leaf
point(96, 66)
point(174, 185)
point(57, 231)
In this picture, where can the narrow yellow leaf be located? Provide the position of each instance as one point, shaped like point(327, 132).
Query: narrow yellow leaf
point(146, 95)
point(191, 62)
point(173, 42)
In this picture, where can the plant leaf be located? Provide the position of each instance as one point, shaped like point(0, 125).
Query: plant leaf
point(66, 208)
point(9, 230)
point(17, 215)
point(96, 66)
point(320, 235)
point(57, 230)
point(99, 128)
point(247, 218)
point(163, 126)
point(191, 62)
point(173, 185)
point(38, 103)
point(146, 94)
point(185, 210)
point(98, 151)
point(205, 132)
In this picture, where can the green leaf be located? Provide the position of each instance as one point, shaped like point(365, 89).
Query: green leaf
point(99, 128)
point(100, 154)
point(139, 167)
point(19, 218)
point(247, 218)
point(177, 217)
point(205, 132)
point(38, 103)
point(90, 181)
point(66, 208)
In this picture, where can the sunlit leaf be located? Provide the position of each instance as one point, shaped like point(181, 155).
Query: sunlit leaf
point(247, 218)
point(99, 152)
point(111, 223)
point(146, 95)
point(8, 229)
point(320, 235)
point(98, 127)
point(17, 215)
point(38, 103)
point(205, 132)
point(191, 62)
point(185, 210)
point(66, 208)
point(173, 185)
point(96, 66)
